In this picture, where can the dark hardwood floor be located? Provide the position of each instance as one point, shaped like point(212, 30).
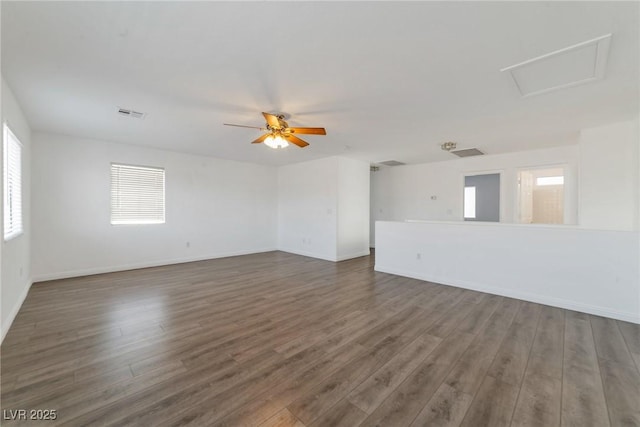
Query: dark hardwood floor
point(276, 339)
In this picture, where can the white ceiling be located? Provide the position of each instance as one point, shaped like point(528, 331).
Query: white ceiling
point(388, 80)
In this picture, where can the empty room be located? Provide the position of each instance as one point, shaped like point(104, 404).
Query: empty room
point(320, 213)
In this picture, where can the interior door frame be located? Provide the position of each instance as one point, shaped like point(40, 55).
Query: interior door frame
point(500, 172)
point(566, 203)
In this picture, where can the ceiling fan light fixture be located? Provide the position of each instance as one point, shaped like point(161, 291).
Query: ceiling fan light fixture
point(276, 141)
point(279, 134)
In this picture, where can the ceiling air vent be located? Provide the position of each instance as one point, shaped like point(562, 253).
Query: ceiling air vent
point(392, 163)
point(469, 152)
point(131, 113)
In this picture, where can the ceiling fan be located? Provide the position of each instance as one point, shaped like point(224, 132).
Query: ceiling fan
point(279, 134)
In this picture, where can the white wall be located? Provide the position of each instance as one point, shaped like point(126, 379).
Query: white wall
point(353, 208)
point(219, 207)
point(601, 187)
point(15, 276)
point(323, 208)
point(609, 176)
point(307, 205)
point(594, 271)
point(381, 201)
point(405, 192)
point(592, 267)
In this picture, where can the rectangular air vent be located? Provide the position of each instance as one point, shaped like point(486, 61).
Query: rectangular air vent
point(131, 113)
point(392, 163)
point(469, 152)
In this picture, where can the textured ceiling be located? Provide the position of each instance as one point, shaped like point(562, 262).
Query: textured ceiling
point(389, 80)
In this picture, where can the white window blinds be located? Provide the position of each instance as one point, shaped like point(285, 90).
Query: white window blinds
point(137, 195)
point(12, 181)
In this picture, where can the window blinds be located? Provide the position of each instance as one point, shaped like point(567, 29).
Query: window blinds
point(137, 195)
point(12, 185)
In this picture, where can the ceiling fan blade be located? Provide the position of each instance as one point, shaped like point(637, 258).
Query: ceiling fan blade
point(308, 131)
point(260, 139)
point(243, 126)
point(295, 140)
point(272, 120)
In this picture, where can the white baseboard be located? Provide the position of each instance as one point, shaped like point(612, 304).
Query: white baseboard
point(333, 259)
point(133, 266)
point(354, 255)
point(526, 296)
point(6, 325)
point(308, 254)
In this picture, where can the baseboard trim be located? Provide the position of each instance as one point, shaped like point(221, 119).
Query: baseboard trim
point(135, 266)
point(307, 254)
point(333, 259)
point(354, 255)
point(14, 311)
point(526, 296)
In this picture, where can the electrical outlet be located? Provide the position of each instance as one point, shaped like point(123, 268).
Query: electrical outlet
point(418, 256)
point(188, 244)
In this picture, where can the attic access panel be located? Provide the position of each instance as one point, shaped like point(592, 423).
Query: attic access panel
point(571, 66)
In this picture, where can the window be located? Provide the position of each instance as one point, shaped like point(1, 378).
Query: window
point(12, 181)
point(549, 180)
point(541, 196)
point(137, 195)
point(469, 202)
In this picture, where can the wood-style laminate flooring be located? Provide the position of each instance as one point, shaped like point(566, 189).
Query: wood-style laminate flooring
point(276, 339)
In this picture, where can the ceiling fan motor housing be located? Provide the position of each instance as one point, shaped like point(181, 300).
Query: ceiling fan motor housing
point(283, 124)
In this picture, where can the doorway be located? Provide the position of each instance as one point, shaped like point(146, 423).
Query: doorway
point(482, 197)
point(541, 196)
